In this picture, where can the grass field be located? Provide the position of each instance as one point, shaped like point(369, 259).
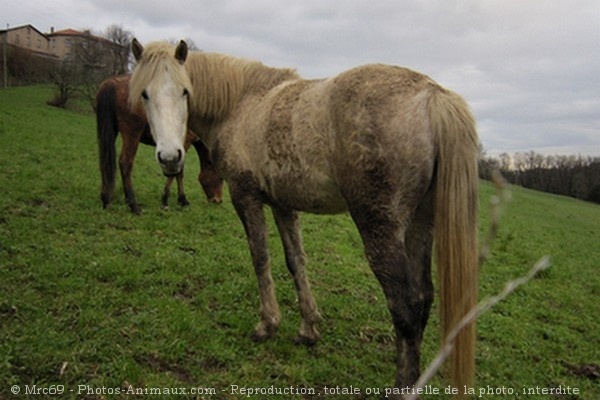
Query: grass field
point(93, 301)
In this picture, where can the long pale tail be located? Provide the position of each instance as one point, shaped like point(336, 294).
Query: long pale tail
point(107, 130)
point(456, 221)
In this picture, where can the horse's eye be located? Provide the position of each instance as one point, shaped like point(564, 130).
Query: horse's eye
point(185, 92)
point(145, 95)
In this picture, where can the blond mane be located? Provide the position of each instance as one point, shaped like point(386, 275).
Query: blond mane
point(220, 81)
point(216, 81)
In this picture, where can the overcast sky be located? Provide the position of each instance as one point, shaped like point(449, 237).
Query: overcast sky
point(530, 69)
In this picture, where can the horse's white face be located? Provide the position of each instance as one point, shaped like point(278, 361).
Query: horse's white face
point(165, 101)
point(166, 107)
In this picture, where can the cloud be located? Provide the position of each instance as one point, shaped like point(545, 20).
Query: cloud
point(529, 69)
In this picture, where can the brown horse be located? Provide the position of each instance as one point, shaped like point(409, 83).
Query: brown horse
point(113, 116)
point(388, 144)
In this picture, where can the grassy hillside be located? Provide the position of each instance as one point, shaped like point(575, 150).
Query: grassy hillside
point(109, 300)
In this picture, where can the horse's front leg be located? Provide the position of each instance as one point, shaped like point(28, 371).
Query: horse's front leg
point(295, 258)
point(181, 198)
point(164, 200)
point(250, 211)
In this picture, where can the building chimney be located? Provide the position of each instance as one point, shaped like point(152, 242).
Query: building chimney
point(51, 30)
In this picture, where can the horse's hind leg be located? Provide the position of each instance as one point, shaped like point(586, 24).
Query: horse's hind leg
point(419, 242)
point(164, 200)
point(129, 149)
point(250, 212)
point(209, 178)
point(383, 236)
point(295, 258)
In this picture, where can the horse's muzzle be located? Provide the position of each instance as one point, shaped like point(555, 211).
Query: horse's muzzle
point(171, 165)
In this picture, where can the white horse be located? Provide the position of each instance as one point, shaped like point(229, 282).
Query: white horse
point(387, 144)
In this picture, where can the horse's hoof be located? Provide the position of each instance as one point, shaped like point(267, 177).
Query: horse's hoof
point(136, 210)
point(263, 333)
point(183, 202)
point(305, 340)
point(308, 334)
point(215, 200)
point(260, 337)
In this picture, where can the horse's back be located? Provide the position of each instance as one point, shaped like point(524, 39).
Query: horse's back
point(384, 148)
point(315, 144)
point(376, 108)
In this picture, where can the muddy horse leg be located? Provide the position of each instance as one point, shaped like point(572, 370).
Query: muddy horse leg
point(250, 211)
point(419, 244)
point(295, 258)
point(408, 302)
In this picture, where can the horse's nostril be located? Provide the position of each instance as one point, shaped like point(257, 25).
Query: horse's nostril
point(160, 159)
point(179, 155)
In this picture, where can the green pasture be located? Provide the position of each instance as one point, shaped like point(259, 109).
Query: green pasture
point(96, 301)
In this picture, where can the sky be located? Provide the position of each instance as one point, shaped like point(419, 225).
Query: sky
point(530, 69)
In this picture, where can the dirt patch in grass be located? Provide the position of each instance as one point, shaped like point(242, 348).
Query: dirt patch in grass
point(589, 371)
point(157, 363)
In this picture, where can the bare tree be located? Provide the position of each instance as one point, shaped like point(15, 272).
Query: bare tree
point(121, 53)
point(95, 62)
point(64, 75)
point(93, 59)
point(519, 162)
point(191, 44)
point(505, 162)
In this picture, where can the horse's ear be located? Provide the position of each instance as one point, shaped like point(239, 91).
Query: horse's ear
point(181, 51)
point(137, 49)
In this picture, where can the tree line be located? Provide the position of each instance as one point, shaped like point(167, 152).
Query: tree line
point(574, 176)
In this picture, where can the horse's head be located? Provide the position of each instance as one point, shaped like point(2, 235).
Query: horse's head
point(160, 82)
